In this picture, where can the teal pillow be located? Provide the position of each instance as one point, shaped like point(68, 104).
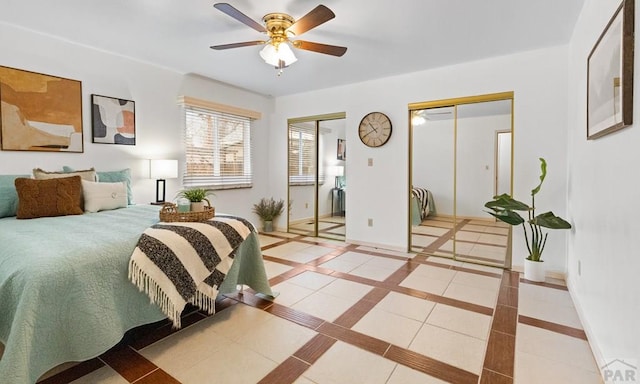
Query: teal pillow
point(116, 176)
point(9, 195)
point(112, 177)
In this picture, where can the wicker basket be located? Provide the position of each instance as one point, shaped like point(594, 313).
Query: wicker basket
point(169, 213)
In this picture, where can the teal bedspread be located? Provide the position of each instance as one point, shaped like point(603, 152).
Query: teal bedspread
point(64, 292)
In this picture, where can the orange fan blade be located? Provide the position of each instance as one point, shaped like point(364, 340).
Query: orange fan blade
point(333, 50)
point(315, 17)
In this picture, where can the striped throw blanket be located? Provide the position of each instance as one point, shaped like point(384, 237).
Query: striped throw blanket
point(185, 262)
point(424, 199)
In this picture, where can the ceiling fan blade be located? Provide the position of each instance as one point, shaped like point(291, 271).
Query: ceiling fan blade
point(333, 50)
point(237, 45)
point(315, 17)
point(241, 17)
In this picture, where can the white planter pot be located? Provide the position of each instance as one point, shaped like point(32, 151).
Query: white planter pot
point(197, 206)
point(268, 226)
point(534, 270)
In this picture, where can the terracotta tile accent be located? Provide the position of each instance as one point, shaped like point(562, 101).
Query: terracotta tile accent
point(460, 304)
point(350, 317)
point(553, 327)
point(548, 285)
point(505, 319)
point(496, 274)
point(490, 377)
point(314, 348)
point(286, 373)
point(510, 279)
point(74, 373)
point(128, 363)
point(250, 299)
point(285, 276)
point(500, 353)
point(508, 296)
point(402, 272)
point(354, 338)
point(430, 366)
point(295, 316)
point(281, 261)
point(158, 377)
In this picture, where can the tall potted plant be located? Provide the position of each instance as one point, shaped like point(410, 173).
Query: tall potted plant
point(268, 210)
point(504, 208)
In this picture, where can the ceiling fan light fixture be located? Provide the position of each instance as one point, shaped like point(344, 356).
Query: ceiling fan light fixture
point(272, 54)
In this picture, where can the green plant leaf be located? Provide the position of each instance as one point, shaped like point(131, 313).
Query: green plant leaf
point(506, 202)
point(543, 175)
point(549, 220)
point(509, 217)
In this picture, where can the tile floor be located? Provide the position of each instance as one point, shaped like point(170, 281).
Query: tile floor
point(350, 314)
point(475, 240)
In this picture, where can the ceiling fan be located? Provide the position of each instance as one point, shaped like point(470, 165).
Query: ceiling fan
point(281, 29)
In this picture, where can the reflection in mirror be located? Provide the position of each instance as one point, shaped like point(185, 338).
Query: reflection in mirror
point(432, 177)
point(480, 238)
point(461, 155)
point(317, 178)
point(302, 178)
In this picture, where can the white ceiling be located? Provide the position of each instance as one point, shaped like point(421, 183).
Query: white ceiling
point(384, 37)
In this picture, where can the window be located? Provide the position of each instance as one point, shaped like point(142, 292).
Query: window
point(217, 148)
point(302, 149)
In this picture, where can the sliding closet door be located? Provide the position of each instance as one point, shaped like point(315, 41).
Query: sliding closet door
point(461, 153)
point(316, 185)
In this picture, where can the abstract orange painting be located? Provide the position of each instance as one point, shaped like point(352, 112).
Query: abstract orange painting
point(40, 112)
point(113, 120)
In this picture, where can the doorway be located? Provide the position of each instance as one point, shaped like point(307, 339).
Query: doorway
point(317, 177)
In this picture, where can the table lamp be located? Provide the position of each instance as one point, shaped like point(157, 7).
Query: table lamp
point(162, 170)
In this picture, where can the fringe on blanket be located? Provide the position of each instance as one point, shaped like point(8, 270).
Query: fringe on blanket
point(145, 284)
point(204, 301)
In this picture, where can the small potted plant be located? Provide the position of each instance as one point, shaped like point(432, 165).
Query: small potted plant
point(268, 210)
point(197, 197)
point(504, 209)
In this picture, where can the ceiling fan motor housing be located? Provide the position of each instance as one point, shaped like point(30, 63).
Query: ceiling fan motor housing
point(277, 25)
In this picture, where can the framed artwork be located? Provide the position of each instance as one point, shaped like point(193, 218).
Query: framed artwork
point(342, 149)
point(113, 121)
point(39, 112)
point(610, 75)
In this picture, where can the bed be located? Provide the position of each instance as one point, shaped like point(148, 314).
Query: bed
point(64, 290)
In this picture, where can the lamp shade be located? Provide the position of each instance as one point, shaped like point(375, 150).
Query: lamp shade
point(163, 169)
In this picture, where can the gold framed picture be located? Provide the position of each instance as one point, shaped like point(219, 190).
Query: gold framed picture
point(610, 75)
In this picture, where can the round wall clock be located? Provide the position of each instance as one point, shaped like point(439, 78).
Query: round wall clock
point(375, 129)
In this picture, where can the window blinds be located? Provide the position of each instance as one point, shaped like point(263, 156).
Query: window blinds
point(302, 155)
point(217, 149)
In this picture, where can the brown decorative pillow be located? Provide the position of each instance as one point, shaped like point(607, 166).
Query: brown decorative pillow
point(50, 197)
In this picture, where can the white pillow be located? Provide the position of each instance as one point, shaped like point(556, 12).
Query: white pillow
point(103, 196)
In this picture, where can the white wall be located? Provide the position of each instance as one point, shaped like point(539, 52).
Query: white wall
point(432, 165)
point(158, 117)
point(603, 192)
point(539, 80)
point(475, 173)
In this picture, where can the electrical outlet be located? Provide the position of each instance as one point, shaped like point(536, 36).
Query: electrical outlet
point(370, 162)
point(370, 222)
point(306, 205)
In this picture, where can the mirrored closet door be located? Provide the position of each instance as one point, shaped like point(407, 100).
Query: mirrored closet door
point(461, 156)
point(317, 182)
